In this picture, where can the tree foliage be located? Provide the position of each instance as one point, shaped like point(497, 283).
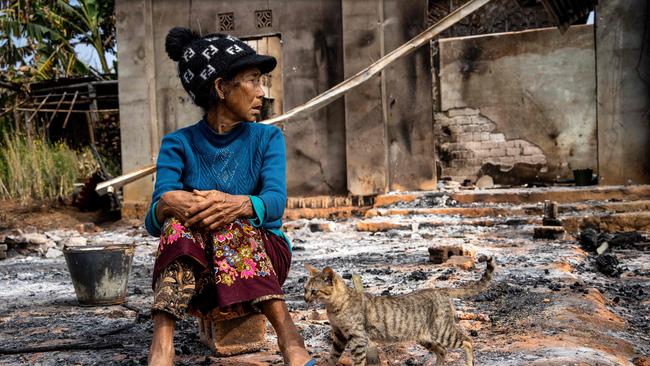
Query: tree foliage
point(38, 38)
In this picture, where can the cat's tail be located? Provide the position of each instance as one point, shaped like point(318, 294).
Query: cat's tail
point(479, 286)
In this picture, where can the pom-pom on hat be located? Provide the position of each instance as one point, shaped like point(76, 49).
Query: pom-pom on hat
point(201, 60)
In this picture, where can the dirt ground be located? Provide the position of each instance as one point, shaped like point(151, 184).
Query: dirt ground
point(43, 215)
point(548, 304)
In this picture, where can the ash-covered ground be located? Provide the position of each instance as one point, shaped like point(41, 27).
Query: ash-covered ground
point(548, 304)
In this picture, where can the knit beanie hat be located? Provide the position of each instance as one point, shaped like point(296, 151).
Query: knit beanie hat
point(201, 60)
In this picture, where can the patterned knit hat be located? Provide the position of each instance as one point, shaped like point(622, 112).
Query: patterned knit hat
point(201, 60)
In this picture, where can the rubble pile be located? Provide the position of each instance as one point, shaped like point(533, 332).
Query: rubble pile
point(548, 303)
point(48, 244)
point(603, 245)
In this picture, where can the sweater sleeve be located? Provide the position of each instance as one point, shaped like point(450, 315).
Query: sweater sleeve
point(169, 169)
point(273, 191)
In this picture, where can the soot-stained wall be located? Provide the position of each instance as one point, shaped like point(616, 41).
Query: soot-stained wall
point(518, 105)
point(389, 127)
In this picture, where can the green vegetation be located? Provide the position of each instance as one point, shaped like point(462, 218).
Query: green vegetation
point(38, 41)
point(38, 38)
point(36, 169)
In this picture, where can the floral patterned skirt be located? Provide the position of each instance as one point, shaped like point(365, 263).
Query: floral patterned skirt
point(235, 264)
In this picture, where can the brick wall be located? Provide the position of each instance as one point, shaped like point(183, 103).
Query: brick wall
point(466, 140)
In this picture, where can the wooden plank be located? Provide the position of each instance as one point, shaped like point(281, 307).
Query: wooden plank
point(65, 122)
point(49, 122)
point(261, 47)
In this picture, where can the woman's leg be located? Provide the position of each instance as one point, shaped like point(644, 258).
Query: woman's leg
point(290, 341)
point(173, 291)
point(161, 352)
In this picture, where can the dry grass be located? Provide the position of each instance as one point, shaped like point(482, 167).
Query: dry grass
point(37, 169)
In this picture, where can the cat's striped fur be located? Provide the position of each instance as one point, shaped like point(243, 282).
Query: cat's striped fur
point(426, 316)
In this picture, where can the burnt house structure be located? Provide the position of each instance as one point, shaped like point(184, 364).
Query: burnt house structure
point(375, 139)
point(502, 93)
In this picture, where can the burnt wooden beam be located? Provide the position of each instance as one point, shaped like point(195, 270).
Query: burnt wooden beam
point(10, 86)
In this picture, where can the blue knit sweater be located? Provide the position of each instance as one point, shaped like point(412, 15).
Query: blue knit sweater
point(248, 160)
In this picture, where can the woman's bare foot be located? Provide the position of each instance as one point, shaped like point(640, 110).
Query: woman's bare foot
point(290, 341)
point(161, 352)
point(295, 355)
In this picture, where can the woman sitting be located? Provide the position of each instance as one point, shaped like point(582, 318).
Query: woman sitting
point(219, 198)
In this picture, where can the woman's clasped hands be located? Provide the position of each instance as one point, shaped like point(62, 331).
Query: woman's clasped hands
point(207, 210)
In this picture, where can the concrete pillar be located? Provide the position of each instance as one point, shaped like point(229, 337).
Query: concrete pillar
point(152, 100)
point(137, 123)
point(365, 119)
point(388, 121)
point(623, 74)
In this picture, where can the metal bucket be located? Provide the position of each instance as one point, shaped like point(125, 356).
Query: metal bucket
point(100, 273)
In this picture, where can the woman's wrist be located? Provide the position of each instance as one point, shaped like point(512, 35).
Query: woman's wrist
point(167, 205)
point(161, 208)
point(245, 206)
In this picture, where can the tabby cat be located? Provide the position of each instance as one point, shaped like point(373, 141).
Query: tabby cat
point(426, 316)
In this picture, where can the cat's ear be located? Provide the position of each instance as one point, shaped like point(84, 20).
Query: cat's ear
point(329, 275)
point(312, 271)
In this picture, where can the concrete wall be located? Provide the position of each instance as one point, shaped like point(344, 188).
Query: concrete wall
point(520, 105)
point(141, 130)
point(623, 59)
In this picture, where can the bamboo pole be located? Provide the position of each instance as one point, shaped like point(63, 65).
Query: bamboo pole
point(112, 185)
point(38, 109)
point(113, 110)
point(407, 48)
point(12, 108)
point(65, 122)
point(78, 85)
point(56, 109)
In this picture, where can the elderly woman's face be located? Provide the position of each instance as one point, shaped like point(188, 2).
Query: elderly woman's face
point(244, 97)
